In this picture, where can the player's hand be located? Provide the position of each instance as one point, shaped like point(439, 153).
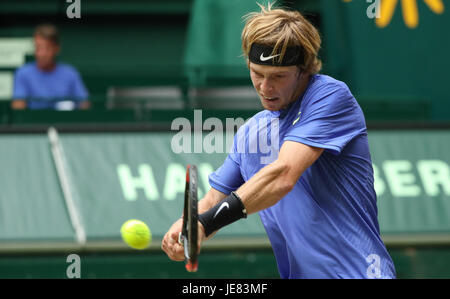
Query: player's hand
point(170, 245)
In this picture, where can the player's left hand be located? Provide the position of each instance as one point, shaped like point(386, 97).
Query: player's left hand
point(170, 244)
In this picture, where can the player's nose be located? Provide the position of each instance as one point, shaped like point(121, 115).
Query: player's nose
point(266, 86)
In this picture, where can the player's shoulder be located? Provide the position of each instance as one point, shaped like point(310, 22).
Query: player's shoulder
point(324, 89)
point(325, 83)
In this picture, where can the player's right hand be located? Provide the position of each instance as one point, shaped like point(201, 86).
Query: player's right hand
point(170, 244)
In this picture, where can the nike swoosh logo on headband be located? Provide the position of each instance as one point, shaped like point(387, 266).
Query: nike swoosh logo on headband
point(262, 58)
point(225, 204)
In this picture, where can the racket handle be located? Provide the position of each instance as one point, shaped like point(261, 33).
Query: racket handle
point(190, 267)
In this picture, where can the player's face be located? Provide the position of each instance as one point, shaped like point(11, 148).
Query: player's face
point(45, 52)
point(277, 86)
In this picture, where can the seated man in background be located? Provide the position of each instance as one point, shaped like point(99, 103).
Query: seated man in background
point(46, 83)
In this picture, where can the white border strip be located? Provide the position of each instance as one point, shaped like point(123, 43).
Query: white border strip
point(60, 163)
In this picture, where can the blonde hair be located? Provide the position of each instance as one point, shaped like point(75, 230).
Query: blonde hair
point(280, 28)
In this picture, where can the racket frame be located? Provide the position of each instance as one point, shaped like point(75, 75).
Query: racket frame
point(189, 233)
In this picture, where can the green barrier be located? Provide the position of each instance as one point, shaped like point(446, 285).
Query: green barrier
point(412, 175)
point(31, 201)
point(116, 177)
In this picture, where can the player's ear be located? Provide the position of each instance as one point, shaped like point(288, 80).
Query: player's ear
point(303, 74)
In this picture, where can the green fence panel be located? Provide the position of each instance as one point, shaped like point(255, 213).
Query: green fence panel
point(116, 177)
point(31, 202)
point(412, 176)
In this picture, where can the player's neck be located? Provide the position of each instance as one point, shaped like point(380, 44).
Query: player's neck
point(303, 84)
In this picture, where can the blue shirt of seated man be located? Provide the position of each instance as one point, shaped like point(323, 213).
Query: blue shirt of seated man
point(41, 88)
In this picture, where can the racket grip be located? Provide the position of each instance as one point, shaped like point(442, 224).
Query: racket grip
point(192, 267)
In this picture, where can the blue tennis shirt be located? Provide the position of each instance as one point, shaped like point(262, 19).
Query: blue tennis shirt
point(41, 88)
point(327, 226)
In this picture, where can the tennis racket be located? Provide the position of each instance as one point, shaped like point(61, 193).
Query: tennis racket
point(189, 233)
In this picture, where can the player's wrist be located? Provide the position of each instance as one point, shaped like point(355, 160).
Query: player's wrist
point(201, 229)
point(229, 210)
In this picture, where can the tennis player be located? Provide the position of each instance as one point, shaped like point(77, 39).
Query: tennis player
point(316, 200)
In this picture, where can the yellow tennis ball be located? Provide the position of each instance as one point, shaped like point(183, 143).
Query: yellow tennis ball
point(136, 234)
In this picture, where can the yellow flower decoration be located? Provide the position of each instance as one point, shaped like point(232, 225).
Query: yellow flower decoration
point(409, 8)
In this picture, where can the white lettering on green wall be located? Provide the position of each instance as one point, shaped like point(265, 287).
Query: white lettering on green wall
point(401, 181)
point(131, 181)
point(435, 174)
point(144, 180)
point(175, 181)
point(378, 182)
point(406, 179)
point(401, 178)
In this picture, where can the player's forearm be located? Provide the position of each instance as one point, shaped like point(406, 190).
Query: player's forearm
point(266, 187)
point(274, 181)
point(211, 198)
point(262, 191)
